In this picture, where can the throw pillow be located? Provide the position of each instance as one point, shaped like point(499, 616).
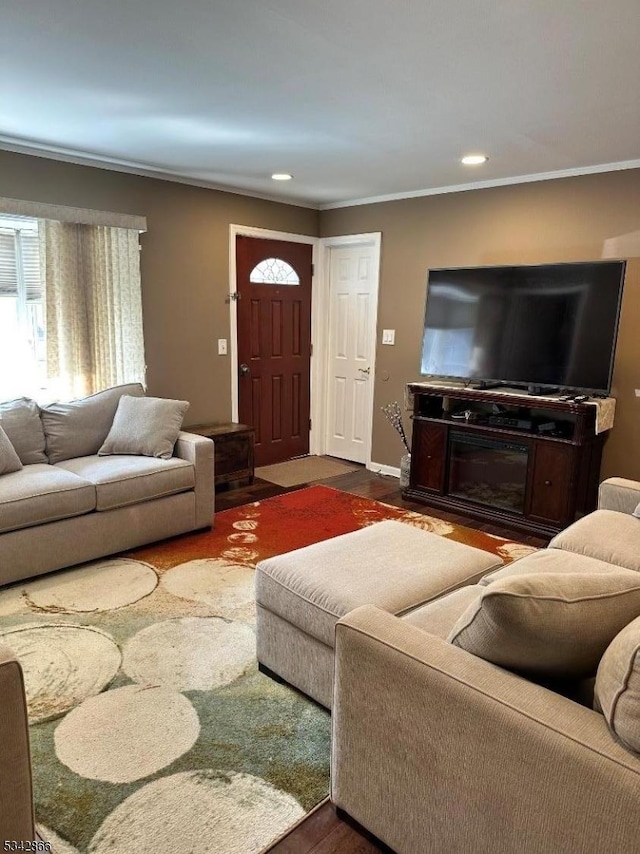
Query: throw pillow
point(21, 422)
point(617, 693)
point(636, 512)
point(9, 460)
point(79, 428)
point(148, 426)
point(549, 624)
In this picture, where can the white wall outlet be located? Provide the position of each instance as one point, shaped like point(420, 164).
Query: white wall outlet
point(222, 346)
point(388, 336)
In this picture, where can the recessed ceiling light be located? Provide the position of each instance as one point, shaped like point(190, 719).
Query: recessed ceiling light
point(281, 176)
point(474, 159)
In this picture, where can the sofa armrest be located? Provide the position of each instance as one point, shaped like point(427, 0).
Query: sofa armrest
point(16, 787)
point(618, 493)
point(435, 750)
point(200, 451)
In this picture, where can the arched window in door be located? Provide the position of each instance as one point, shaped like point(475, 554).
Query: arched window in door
point(274, 271)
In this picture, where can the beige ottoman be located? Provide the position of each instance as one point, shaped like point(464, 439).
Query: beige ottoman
point(302, 594)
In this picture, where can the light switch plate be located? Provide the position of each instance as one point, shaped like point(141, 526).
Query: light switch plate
point(222, 346)
point(638, 392)
point(388, 336)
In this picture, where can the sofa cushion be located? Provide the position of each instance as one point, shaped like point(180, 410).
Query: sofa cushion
point(617, 693)
point(145, 425)
point(441, 615)
point(604, 534)
point(41, 493)
point(549, 560)
point(20, 420)
point(9, 460)
point(549, 624)
point(123, 480)
point(79, 428)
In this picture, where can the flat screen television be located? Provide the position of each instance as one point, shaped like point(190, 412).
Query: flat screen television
point(542, 327)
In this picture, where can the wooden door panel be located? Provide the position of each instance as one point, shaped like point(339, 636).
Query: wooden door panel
point(551, 481)
point(428, 455)
point(296, 327)
point(360, 398)
point(251, 416)
point(338, 428)
point(296, 420)
point(276, 407)
point(276, 329)
point(255, 335)
point(363, 304)
point(274, 341)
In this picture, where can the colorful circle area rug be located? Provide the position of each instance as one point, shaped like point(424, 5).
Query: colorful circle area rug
point(151, 728)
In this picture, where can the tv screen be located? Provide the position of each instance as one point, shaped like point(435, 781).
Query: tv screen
point(551, 325)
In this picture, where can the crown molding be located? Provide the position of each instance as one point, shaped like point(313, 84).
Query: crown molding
point(482, 185)
point(68, 155)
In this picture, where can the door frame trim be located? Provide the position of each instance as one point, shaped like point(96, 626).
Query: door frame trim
point(315, 380)
point(320, 291)
point(373, 239)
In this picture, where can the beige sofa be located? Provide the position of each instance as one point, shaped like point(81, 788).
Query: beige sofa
point(68, 505)
point(437, 751)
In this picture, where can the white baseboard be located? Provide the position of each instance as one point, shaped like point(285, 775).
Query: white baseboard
point(379, 468)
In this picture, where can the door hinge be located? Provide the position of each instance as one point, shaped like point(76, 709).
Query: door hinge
point(313, 270)
point(311, 349)
point(310, 425)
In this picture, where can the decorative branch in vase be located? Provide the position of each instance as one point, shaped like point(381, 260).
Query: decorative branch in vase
point(393, 414)
point(394, 417)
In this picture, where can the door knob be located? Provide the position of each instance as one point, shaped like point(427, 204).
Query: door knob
point(364, 370)
point(244, 370)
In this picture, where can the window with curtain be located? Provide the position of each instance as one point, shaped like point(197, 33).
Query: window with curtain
point(93, 306)
point(70, 308)
point(23, 366)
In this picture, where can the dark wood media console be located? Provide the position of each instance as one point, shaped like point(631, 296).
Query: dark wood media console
point(531, 464)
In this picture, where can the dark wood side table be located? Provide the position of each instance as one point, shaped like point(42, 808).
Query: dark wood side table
point(233, 450)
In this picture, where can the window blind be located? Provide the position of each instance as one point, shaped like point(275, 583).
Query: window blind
point(20, 263)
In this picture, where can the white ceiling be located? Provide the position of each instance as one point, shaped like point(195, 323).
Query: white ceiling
point(356, 98)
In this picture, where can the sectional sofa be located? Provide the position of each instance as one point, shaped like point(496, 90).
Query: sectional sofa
point(467, 713)
point(439, 751)
point(67, 504)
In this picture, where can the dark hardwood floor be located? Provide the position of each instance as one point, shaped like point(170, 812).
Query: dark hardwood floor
point(323, 831)
point(366, 484)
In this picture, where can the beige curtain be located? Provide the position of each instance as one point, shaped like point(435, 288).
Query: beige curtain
point(93, 307)
point(66, 324)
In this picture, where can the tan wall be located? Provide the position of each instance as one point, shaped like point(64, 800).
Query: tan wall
point(562, 220)
point(185, 268)
point(185, 264)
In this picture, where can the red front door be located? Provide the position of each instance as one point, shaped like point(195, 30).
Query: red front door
point(274, 345)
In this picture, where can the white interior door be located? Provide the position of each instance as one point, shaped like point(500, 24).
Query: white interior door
point(353, 298)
